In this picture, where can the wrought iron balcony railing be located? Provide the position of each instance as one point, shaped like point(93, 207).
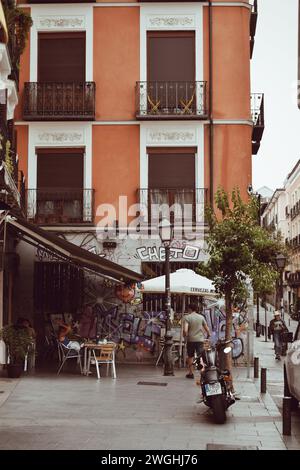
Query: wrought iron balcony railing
point(60, 206)
point(8, 156)
point(171, 100)
point(22, 189)
point(258, 118)
point(293, 279)
point(59, 101)
point(187, 205)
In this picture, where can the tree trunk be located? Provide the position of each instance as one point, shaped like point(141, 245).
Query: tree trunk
point(228, 330)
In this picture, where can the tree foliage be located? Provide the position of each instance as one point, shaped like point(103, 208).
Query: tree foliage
point(19, 23)
point(239, 250)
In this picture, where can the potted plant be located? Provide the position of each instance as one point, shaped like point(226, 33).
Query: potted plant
point(17, 341)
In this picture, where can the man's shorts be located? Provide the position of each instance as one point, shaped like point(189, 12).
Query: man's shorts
point(194, 347)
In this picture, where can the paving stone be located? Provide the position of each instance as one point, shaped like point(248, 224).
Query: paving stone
point(73, 412)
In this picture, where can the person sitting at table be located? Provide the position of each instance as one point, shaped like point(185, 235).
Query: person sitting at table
point(62, 335)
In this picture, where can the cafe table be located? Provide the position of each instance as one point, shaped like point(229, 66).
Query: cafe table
point(90, 346)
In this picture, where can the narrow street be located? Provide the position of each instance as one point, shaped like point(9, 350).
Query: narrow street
point(142, 409)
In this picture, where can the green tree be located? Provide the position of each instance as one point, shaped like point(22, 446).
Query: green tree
point(239, 250)
point(19, 23)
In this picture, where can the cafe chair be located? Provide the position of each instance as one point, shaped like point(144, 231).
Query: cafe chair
point(66, 353)
point(104, 355)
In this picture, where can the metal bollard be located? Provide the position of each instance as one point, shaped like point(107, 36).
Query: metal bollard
point(263, 380)
point(256, 367)
point(286, 416)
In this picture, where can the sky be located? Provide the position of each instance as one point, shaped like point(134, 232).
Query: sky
point(274, 71)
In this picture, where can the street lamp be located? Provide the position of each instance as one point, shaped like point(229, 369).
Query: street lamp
point(280, 263)
point(166, 233)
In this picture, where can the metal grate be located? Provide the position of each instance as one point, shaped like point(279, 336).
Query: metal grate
point(154, 384)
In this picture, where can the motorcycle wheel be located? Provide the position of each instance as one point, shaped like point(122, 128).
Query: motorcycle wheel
point(218, 408)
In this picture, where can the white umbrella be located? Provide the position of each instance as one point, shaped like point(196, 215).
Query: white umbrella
point(182, 281)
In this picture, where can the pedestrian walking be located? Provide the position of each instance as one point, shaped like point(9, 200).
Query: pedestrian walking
point(194, 328)
point(277, 328)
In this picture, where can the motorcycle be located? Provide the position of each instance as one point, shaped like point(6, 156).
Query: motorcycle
point(215, 381)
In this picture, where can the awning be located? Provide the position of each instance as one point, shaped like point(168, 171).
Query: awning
point(71, 252)
point(3, 26)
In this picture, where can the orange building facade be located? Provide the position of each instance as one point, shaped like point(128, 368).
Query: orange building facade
point(134, 102)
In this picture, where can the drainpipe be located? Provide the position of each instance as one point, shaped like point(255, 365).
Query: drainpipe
point(211, 125)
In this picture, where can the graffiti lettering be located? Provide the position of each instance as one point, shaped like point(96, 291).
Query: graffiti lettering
point(130, 329)
point(154, 253)
point(216, 321)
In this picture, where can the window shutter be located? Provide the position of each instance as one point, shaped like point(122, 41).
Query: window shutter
point(171, 56)
point(61, 57)
point(60, 169)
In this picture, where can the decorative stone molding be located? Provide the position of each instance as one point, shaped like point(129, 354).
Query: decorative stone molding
point(171, 22)
point(171, 137)
point(61, 22)
point(61, 138)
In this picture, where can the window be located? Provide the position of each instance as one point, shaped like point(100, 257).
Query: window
point(171, 72)
point(60, 185)
point(171, 179)
point(171, 56)
point(61, 57)
point(171, 168)
point(60, 168)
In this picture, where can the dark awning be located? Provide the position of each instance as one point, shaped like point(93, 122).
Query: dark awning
point(71, 252)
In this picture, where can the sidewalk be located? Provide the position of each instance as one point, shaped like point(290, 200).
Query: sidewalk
point(275, 385)
point(74, 412)
point(44, 411)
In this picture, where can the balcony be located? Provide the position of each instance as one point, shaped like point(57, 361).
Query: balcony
point(186, 205)
point(171, 100)
point(295, 210)
point(294, 279)
point(9, 192)
point(258, 118)
point(253, 24)
point(59, 101)
point(57, 206)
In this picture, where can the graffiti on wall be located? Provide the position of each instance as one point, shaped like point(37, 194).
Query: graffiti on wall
point(129, 329)
point(154, 253)
point(216, 320)
point(127, 325)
